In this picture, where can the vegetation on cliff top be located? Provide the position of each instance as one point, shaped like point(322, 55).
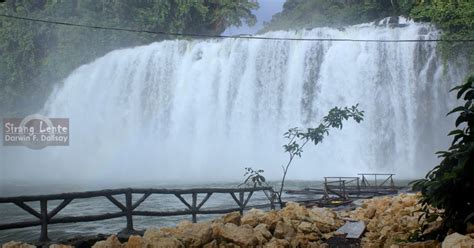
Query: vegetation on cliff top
point(37, 55)
point(454, 17)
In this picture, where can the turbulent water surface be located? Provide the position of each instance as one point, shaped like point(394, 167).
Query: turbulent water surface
point(205, 109)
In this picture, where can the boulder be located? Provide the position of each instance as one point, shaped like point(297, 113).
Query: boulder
point(110, 242)
point(284, 230)
point(457, 240)
point(233, 217)
point(325, 217)
point(166, 243)
point(135, 241)
point(307, 227)
point(277, 243)
point(195, 234)
point(156, 238)
point(294, 211)
point(153, 234)
point(241, 235)
point(271, 219)
point(253, 217)
point(262, 233)
point(370, 213)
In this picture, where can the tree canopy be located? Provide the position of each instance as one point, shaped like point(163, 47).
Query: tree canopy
point(454, 17)
point(37, 55)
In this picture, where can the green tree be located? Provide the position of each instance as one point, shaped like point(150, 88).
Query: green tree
point(298, 138)
point(450, 185)
point(37, 56)
point(453, 17)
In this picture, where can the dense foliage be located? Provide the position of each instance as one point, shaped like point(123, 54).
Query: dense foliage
point(298, 138)
point(450, 185)
point(454, 17)
point(37, 55)
point(318, 13)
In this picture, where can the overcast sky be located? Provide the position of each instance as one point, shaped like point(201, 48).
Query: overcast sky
point(264, 14)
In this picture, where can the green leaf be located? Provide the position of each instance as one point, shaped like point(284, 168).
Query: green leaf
point(457, 131)
point(457, 109)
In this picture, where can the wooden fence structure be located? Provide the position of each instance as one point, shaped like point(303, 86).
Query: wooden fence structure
point(44, 217)
point(341, 186)
point(368, 184)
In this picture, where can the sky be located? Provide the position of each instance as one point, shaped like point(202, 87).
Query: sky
point(264, 14)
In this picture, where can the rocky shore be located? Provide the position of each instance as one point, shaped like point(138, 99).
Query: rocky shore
point(389, 221)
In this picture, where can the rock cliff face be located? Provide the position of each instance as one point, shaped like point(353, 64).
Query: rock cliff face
point(388, 220)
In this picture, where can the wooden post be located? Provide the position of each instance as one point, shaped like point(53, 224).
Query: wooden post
point(44, 221)
point(272, 201)
point(358, 187)
point(376, 185)
point(129, 209)
point(194, 208)
point(344, 189)
point(241, 199)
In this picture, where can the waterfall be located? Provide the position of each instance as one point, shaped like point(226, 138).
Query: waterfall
point(205, 109)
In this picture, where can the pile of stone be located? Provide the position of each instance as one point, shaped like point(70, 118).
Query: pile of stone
point(389, 221)
point(293, 226)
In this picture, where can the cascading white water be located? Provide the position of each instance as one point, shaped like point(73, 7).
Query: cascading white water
point(205, 109)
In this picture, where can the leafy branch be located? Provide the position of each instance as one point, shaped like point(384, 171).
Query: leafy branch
point(448, 186)
point(298, 138)
point(253, 177)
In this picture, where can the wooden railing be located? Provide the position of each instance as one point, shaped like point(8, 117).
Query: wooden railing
point(44, 217)
point(368, 184)
point(374, 180)
point(340, 186)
